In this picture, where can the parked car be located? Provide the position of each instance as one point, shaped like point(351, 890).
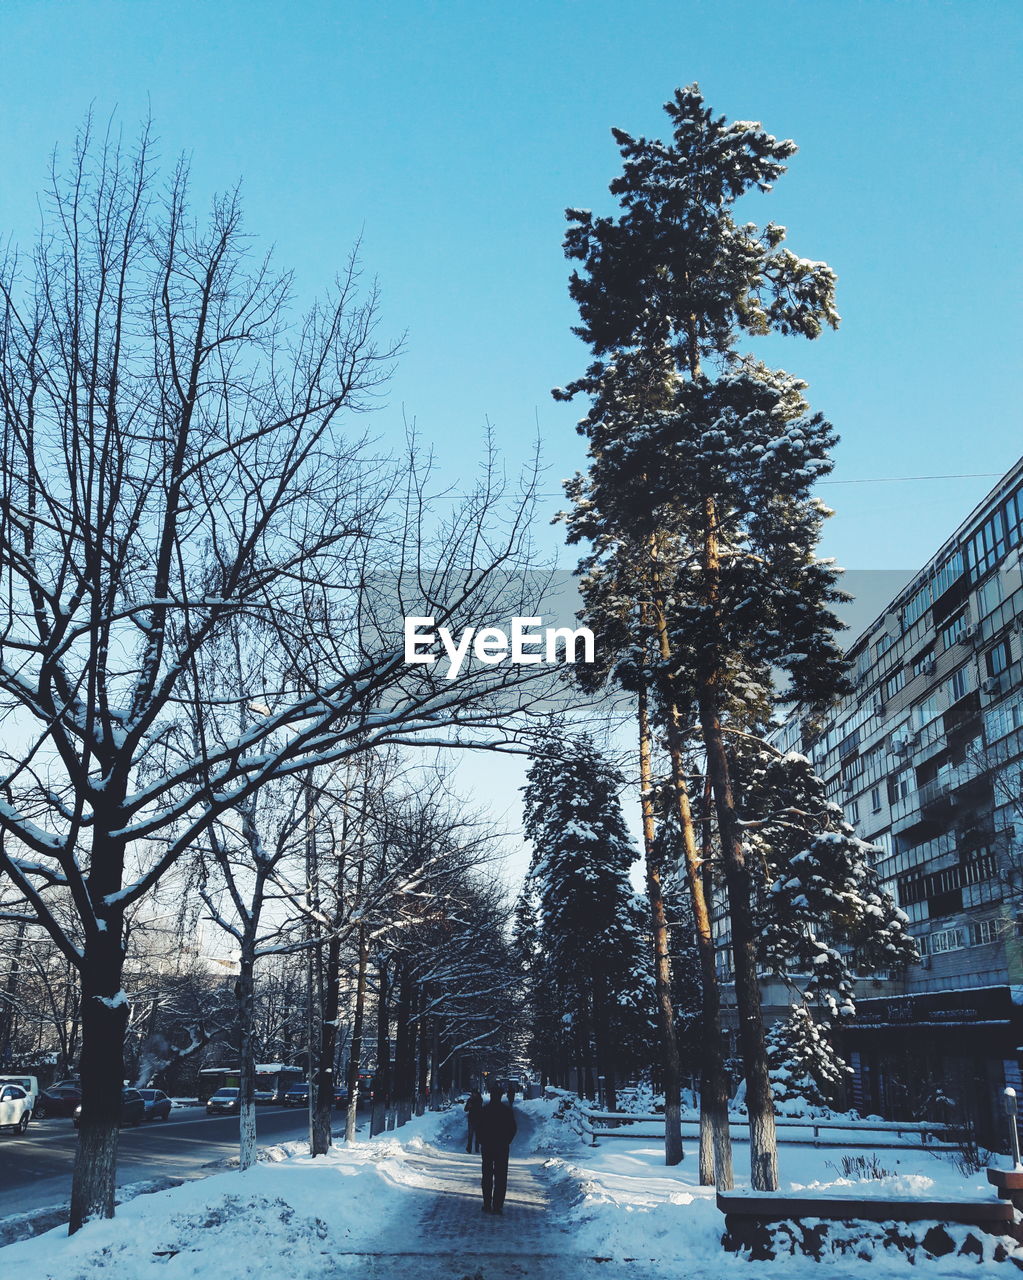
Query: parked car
point(263, 1096)
point(297, 1095)
point(158, 1105)
point(223, 1101)
point(29, 1083)
point(15, 1107)
point(340, 1096)
point(133, 1109)
point(58, 1100)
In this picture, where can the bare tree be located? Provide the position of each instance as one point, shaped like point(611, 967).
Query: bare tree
point(172, 464)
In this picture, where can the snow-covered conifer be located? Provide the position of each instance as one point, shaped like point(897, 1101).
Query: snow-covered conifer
point(823, 915)
point(804, 1065)
point(702, 461)
point(590, 974)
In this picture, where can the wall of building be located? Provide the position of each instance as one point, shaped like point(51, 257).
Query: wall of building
point(926, 758)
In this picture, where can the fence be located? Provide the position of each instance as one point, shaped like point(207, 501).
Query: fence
point(593, 1126)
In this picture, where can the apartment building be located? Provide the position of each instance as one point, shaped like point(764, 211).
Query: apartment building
point(926, 759)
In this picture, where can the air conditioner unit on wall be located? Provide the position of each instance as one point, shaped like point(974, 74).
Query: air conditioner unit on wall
point(930, 667)
point(993, 684)
point(969, 634)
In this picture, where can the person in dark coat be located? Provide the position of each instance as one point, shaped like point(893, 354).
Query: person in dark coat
point(472, 1109)
point(495, 1127)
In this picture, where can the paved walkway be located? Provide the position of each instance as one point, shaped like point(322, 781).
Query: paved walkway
point(460, 1242)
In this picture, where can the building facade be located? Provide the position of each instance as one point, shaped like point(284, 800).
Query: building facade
point(926, 759)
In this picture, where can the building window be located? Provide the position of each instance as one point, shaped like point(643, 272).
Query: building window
point(958, 684)
point(923, 662)
point(917, 605)
point(984, 931)
point(884, 644)
point(892, 686)
point(949, 573)
point(875, 799)
point(997, 659)
point(933, 887)
point(1000, 531)
point(990, 596)
point(899, 787)
point(1003, 719)
point(1014, 518)
point(953, 631)
point(849, 744)
point(945, 940)
point(924, 712)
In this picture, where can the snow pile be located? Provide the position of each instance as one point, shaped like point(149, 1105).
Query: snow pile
point(287, 1217)
point(620, 1201)
point(627, 1204)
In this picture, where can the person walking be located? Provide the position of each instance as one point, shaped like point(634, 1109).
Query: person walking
point(496, 1128)
point(472, 1110)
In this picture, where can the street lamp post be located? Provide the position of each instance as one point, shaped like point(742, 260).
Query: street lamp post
point(1011, 1109)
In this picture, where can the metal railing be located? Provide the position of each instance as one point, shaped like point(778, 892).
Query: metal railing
point(596, 1125)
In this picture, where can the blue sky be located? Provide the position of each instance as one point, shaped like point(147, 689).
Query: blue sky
point(451, 136)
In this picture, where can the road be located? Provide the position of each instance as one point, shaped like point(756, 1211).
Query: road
point(35, 1170)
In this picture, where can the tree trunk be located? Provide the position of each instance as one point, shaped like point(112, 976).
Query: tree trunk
point(670, 1065)
point(8, 1016)
point(382, 1078)
point(104, 1019)
point(715, 1137)
point(759, 1102)
point(247, 1148)
point(602, 1042)
point(403, 1078)
point(355, 1058)
point(423, 1063)
point(329, 1009)
point(436, 1084)
point(714, 1084)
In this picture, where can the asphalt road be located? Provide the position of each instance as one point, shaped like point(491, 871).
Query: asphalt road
point(35, 1170)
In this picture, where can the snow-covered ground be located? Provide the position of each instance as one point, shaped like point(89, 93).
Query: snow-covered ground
point(405, 1205)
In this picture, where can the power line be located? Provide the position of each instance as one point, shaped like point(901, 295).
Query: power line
point(959, 475)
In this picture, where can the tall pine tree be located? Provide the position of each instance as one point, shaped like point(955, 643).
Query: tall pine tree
point(707, 476)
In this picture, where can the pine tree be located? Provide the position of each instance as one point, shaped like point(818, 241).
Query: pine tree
point(804, 1065)
point(588, 942)
point(708, 478)
point(821, 909)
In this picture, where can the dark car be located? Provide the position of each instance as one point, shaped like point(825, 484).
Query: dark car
point(58, 1100)
point(133, 1108)
point(158, 1105)
point(296, 1095)
point(340, 1096)
point(223, 1102)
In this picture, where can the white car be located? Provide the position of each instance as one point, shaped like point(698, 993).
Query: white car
point(29, 1083)
point(15, 1107)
